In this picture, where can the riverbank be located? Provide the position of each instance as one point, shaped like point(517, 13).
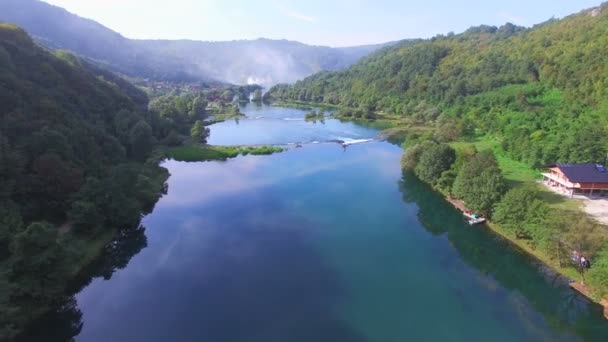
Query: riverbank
point(90, 249)
point(568, 272)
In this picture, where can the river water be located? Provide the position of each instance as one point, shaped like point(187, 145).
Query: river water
point(321, 243)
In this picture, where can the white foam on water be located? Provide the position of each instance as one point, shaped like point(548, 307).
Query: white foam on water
point(293, 119)
point(348, 141)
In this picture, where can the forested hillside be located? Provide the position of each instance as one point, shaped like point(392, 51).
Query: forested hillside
point(261, 61)
point(542, 91)
point(74, 141)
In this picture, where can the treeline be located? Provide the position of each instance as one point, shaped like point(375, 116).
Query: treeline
point(542, 90)
point(181, 113)
point(77, 165)
point(222, 94)
point(475, 177)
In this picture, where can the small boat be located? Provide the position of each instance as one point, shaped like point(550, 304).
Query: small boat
point(474, 218)
point(478, 220)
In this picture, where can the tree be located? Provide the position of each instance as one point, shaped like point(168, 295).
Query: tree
point(37, 262)
point(141, 140)
point(197, 108)
point(199, 132)
point(227, 95)
point(449, 129)
point(434, 161)
point(85, 216)
point(412, 154)
point(480, 182)
point(585, 235)
point(446, 181)
point(11, 223)
point(513, 211)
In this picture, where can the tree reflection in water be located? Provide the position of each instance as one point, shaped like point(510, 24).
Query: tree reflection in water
point(65, 321)
point(500, 262)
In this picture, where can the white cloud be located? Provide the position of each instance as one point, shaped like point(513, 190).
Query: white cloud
point(288, 12)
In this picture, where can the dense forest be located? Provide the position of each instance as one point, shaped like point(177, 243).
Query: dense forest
point(542, 91)
point(78, 166)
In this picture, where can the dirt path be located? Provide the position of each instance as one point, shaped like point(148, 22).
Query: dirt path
point(598, 209)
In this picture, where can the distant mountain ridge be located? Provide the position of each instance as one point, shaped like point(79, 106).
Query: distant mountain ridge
point(261, 61)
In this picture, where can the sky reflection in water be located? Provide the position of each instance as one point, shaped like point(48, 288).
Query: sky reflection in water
point(317, 244)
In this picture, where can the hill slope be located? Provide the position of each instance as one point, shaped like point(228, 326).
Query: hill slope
point(542, 90)
point(261, 61)
point(73, 141)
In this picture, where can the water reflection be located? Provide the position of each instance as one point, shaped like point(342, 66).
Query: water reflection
point(65, 322)
point(235, 268)
point(317, 245)
point(509, 273)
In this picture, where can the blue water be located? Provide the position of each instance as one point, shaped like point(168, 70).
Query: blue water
point(269, 125)
point(322, 243)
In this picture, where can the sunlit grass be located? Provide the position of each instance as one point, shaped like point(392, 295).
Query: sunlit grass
point(517, 173)
point(192, 153)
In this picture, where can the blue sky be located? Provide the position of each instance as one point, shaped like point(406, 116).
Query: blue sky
point(320, 22)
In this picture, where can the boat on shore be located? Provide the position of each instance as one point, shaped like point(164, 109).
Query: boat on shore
point(474, 218)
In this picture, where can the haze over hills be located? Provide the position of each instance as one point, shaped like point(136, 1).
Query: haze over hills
point(262, 61)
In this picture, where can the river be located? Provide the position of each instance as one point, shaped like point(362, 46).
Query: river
point(319, 243)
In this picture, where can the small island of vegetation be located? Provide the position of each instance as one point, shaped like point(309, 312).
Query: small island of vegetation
point(315, 115)
point(196, 153)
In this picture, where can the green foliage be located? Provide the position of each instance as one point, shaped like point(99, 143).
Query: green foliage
point(446, 181)
point(141, 140)
point(199, 133)
point(434, 161)
point(409, 159)
point(315, 115)
point(38, 267)
point(519, 210)
point(73, 144)
point(598, 274)
point(480, 182)
point(261, 151)
point(195, 153)
point(541, 91)
point(584, 235)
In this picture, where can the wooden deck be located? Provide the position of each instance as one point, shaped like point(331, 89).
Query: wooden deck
point(584, 290)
